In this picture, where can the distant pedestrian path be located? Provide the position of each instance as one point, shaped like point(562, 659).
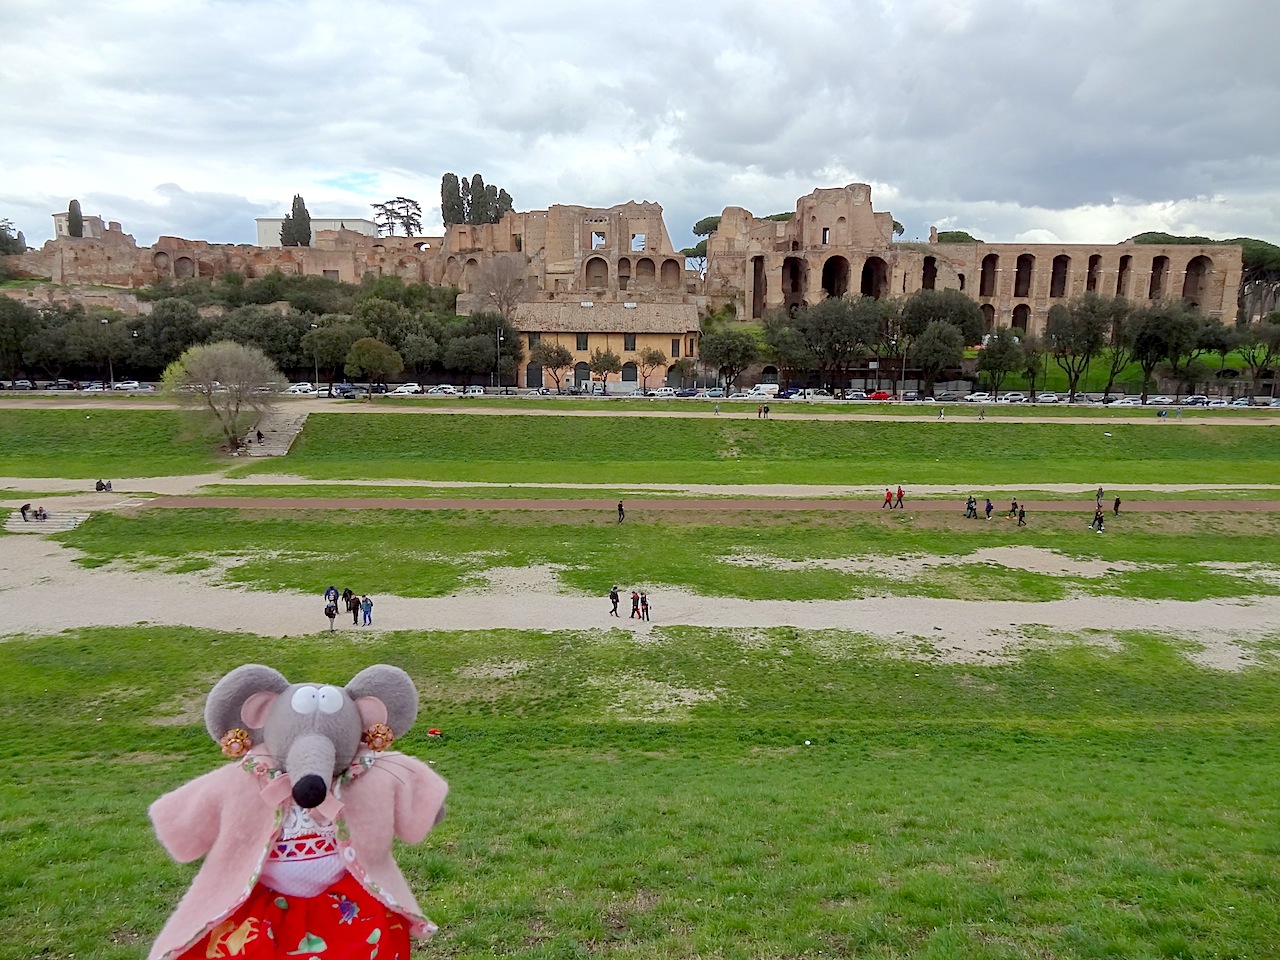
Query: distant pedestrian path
point(663, 505)
point(278, 427)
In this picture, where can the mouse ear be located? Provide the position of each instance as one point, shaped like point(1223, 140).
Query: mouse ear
point(224, 710)
point(393, 687)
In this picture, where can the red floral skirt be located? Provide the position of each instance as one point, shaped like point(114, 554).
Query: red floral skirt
point(345, 922)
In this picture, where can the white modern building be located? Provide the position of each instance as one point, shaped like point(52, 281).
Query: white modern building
point(269, 227)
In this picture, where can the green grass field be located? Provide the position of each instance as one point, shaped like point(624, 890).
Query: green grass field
point(100, 442)
point(670, 450)
point(654, 800)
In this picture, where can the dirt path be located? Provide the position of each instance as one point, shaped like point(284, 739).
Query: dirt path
point(46, 591)
point(700, 506)
point(737, 410)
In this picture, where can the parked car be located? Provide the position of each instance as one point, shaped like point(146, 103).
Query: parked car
point(880, 395)
point(685, 392)
point(94, 387)
point(1197, 400)
point(788, 393)
point(714, 393)
point(126, 385)
point(909, 395)
point(473, 390)
point(1242, 402)
point(1160, 400)
point(815, 394)
point(62, 384)
point(300, 390)
point(344, 391)
point(1012, 397)
point(856, 395)
point(978, 398)
point(741, 396)
point(406, 390)
point(1275, 402)
point(1217, 403)
point(1126, 402)
point(443, 390)
point(947, 396)
point(22, 385)
point(665, 393)
point(1047, 398)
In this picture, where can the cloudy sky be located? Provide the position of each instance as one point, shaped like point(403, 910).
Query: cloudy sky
point(1081, 120)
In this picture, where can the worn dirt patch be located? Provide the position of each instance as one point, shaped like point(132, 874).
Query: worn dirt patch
point(502, 670)
point(1030, 559)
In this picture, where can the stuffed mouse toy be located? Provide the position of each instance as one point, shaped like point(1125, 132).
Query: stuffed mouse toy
point(296, 831)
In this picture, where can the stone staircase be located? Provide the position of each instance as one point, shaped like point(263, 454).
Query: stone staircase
point(58, 522)
point(278, 427)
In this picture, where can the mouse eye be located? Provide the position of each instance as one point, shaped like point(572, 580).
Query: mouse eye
point(330, 699)
point(304, 700)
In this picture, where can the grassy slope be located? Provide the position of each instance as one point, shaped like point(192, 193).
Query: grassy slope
point(95, 442)
point(413, 553)
point(635, 450)
point(658, 800)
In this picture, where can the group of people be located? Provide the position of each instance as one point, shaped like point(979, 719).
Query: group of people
point(639, 604)
point(103, 486)
point(1017, 511)
point(355, 604)
point(39, 513)
point(889, 500)
point(762, 411)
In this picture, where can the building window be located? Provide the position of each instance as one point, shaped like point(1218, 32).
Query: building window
point(519, 243)
point(534, 340)
point(628, 341)
point(637, 241)
point(689, 347)
point(826, 235)
point(582, 341)
point(675, 348)
point(597, 240)
point(331, 274)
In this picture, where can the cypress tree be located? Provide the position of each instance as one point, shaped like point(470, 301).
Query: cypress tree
point(296, 229)
point(75, 221)
point(479, 212)
point(452, 209)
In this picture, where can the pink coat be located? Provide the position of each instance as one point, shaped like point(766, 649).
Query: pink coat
point(225, 817)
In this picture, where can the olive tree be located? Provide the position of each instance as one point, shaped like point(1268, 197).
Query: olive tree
point(233, 383)
point(555, 358)
point(603, 363)
point(648, 360)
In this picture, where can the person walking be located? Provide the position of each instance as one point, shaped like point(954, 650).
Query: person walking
point(331, 595)
point(354, 606)
point(1022, 516)
point(644, 605)
point(990, 506)
point(888, 499)
point(1013, 507)
point(942, 413)
point(622, 514)
point(1115, 507)
point(766, 411)
point(717, 409)
point(1101, 494)
point(898, 504)
point(331, 611)
point(971, 508)
point(1099, 520)
point(261, 438)
point(613, 599)
point(366, 608)
point(982, 413)
point(635, 605)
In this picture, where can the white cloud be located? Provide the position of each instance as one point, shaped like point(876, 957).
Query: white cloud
point(1088, 121)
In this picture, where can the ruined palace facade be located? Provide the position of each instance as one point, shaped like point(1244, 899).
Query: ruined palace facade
point(836, 244)
point(610, 278)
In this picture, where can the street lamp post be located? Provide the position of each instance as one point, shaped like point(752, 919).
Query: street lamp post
point(315, 355)
point(497, 366)
point(111, 372)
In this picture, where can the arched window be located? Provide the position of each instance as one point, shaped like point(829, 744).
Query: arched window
point(1194, 283)
point(624, 273)
point(875, 278)
point(1021, 317)
point(988, 318)
point(1159, 274)
point(795, 282)
point(1023, 275)
point(1122, 276)
point(533, 375)
point(1095, 268)
point(987, 280)
point(1058, 278)
point(581, 373)
point(645, 272)
point(835, 277)
point(597, 273)
point(670, 275)
point(929, 275)
point(630, 372)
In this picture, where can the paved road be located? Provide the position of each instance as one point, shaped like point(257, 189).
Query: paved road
point(636, 505)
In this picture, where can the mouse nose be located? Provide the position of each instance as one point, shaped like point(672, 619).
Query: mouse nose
point(309, 791)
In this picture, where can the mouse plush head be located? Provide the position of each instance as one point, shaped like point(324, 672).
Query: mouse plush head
point(312, 731)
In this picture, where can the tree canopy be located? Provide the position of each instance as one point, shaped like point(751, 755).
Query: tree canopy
point(730, 351)
point(956, 236)
point(233, 382)
point(75, 219)
point(11, 240)
point(296, 229)
point(706, 226)
point(398, 212)
point(472, 201)
point(371, 358)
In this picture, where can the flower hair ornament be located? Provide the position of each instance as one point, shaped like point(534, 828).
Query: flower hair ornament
point(236, 742)
point(378, 737)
